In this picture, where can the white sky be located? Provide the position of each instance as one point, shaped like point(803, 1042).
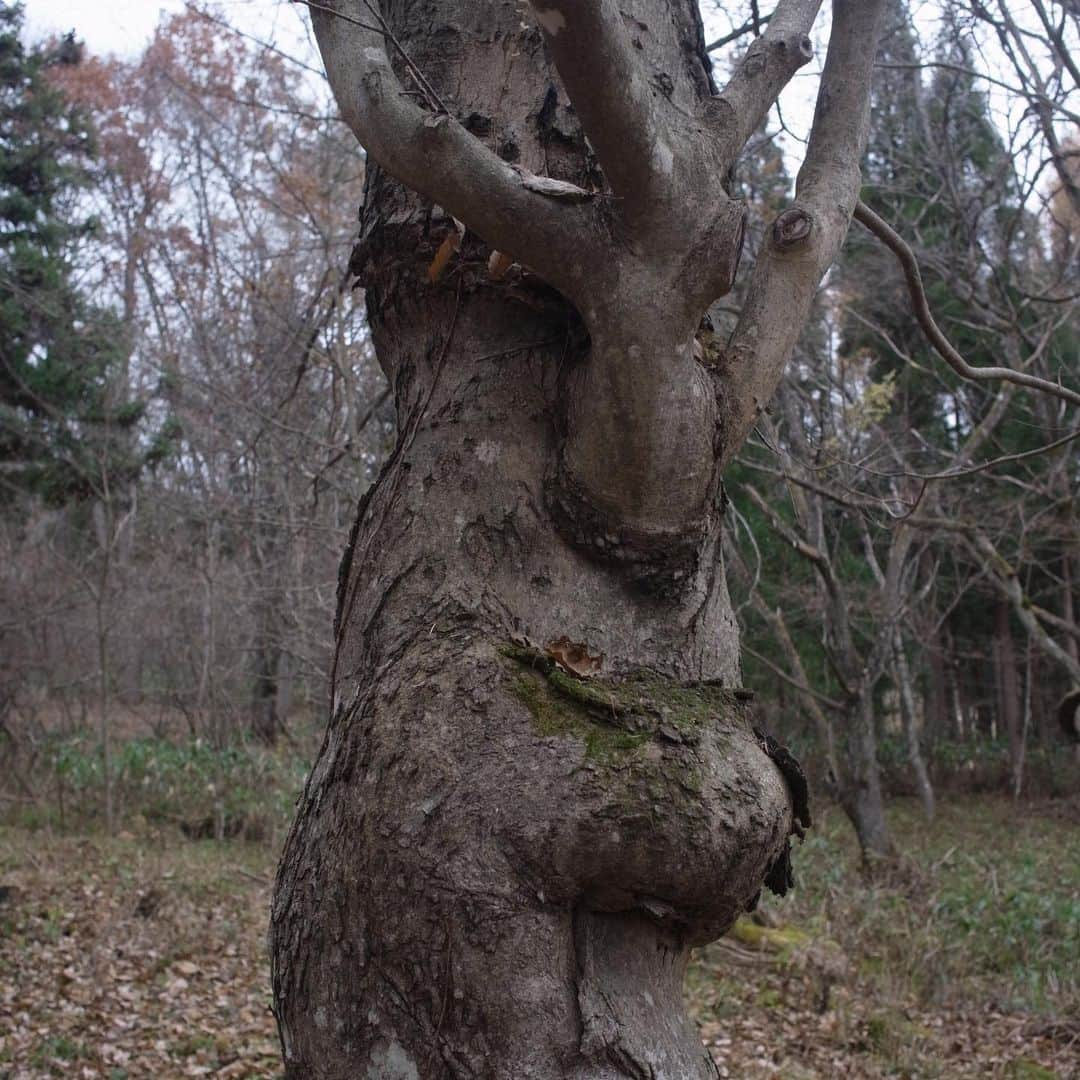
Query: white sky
point(124, 26)
point(114, 26)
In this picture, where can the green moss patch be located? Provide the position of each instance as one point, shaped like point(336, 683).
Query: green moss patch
point(616, 717)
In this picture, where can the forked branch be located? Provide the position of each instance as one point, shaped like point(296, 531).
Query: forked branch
point(768, 66)
point(807, 237)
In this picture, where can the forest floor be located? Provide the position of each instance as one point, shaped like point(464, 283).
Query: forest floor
point(144, 955)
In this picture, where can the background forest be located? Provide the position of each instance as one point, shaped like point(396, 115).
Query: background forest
point(190, 412)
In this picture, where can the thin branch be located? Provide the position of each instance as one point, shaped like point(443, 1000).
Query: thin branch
point(801, 687)
point(427, 92)
point(746, 28)
point(1004, 459)
point(901, 249)
point(1030, 95)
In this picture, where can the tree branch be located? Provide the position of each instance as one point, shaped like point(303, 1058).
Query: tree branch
point(765, 70)
point(796, 684)
point(912, 275)
point(746, 28)
point(1004, 576)
point(807, 237)
point(608, 84)
point(433, 154)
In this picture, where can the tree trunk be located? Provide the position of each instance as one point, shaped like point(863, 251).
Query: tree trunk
point(860, 790)
point(486, 851)
point(266, 722)
point(498, 868)
point(937, 697)
point(906, 690)
point(487, 877)
point(1008, 684)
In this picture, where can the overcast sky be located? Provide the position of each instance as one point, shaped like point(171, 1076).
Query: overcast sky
point(123, 26)
point(114, 26)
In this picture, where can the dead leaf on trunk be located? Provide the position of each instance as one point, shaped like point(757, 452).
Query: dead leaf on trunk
point(498, 264)
point(574, 657)
point(447, 249)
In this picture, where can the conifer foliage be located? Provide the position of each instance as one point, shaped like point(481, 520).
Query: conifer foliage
point(66, 423)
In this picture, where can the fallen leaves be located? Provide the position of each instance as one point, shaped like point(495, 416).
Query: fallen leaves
point(96, 980)
point(132, 958)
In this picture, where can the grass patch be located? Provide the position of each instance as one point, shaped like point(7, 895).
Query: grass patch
point(242, 790)
point(956, 967)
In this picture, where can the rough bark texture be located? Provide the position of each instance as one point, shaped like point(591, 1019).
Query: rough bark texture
point(481, 882)
point(497, 870)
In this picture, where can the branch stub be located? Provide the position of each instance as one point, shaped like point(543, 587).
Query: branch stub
point(792, 229)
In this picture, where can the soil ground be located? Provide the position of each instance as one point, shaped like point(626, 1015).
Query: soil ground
point(144, 955)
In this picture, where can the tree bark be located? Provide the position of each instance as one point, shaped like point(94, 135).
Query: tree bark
point(472, 853)
point(860, 793)
point(498, 869)
point(906, 690)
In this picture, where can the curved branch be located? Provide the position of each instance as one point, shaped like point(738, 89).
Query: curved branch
point(807, 237)
point(433, 154)
point(942, 346)
point(765, 70)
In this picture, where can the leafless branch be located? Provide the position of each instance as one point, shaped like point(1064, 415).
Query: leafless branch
point(766, 69)
point(806, 238)
point(913, 276)
point(433, 154)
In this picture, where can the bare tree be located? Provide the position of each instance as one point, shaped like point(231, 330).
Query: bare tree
point(223, 241)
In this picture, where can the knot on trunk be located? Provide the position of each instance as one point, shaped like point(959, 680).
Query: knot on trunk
point(800, 47)
point(792, 229)
point(677, 814)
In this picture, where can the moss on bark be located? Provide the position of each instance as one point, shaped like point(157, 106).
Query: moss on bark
point(616, 717)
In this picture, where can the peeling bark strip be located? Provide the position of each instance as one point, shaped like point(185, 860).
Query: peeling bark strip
point(497, 869)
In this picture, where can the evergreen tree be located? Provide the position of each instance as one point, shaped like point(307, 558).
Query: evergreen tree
point(67, 425)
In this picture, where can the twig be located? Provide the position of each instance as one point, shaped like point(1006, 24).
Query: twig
point(1002, 460)
point(417, 74)
point(900, 248)
point(748, 26)
point(801, 687)
point(340, 15)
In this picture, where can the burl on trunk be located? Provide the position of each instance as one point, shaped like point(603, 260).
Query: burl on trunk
point(498, 867)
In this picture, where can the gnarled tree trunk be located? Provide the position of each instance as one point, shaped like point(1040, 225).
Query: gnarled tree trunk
point(498, 868)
